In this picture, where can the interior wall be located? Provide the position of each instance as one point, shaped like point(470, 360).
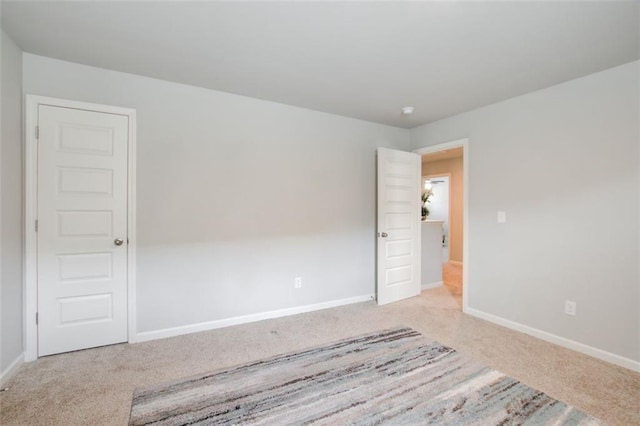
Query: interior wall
point(237, 196)
point(454, 167)
point(11, 203)
point(549, 159)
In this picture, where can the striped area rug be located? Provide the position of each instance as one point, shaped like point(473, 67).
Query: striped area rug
point(390, 377)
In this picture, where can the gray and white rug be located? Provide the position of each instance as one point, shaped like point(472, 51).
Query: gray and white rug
point(390, 377)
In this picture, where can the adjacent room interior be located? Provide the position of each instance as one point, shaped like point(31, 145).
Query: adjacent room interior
point(302, 206)
point(443, 192)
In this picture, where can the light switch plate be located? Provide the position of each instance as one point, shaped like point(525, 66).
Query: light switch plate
point(502, 217)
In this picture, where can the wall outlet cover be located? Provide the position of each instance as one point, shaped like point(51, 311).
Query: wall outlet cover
point(570, 307)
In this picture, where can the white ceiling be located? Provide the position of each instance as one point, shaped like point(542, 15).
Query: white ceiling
point(358, 59)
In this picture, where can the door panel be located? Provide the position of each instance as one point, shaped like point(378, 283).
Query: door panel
point(82, 209)
point(398, 247)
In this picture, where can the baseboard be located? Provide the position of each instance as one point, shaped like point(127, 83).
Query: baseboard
point(455, 262)
point(557, 340)
point(11, 370)
point(432, 285)
point(211, 325)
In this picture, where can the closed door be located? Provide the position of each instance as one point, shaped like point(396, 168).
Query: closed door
point(398, 234)
point(81, 229)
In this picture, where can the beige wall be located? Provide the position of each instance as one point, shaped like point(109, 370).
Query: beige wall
point(10, 204)
point(549, 159)
point(452, 166)
point(259, 193)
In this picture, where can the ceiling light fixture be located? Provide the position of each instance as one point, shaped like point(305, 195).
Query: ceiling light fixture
point(407, 110)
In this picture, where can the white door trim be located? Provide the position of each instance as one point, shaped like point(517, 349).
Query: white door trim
point(32, 102)
point(464, 144)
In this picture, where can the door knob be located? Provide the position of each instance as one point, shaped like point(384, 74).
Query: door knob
point(118, 242)
point(384, 235)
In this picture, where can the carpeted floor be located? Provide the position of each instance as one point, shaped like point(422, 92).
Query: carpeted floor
point(452, 278)
point(96, 386)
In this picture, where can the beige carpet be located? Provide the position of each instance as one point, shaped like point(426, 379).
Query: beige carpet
point(95, 386)
point(452, 278)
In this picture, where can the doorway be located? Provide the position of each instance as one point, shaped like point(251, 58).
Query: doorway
point(444, 174)
point(80, 200)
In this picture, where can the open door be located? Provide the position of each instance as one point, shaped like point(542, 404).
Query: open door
point(398, 233)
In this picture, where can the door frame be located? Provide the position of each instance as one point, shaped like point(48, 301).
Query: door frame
point(464, 144)
point(30, 294)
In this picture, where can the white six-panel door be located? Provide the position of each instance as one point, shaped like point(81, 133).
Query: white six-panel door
point(82, 229)
point(398, 233)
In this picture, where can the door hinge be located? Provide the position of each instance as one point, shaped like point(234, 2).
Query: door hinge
point(36, 226)
point(37, 132)
point(36, 318)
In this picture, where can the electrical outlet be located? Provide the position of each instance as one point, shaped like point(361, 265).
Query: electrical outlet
point(502, 217)
point(297, 283)
point(570, 307)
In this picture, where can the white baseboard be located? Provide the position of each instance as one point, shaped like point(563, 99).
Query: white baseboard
point(432, 285)
point(11, 370)
point(210, 325)
point(557, 340)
